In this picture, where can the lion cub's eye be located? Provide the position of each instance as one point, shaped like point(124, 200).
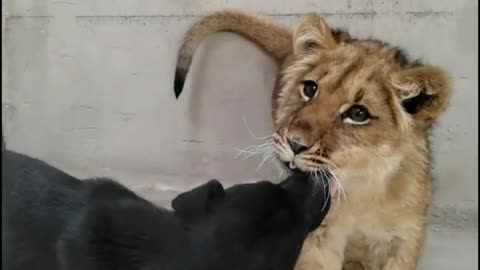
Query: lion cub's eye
point(309, 90)
point(356, 115)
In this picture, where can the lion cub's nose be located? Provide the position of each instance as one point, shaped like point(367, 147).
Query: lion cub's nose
point(296, 147)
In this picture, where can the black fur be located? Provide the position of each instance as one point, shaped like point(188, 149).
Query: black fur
point(180, 77)
point(415, 104)
point(51, 220)
point(401, 57)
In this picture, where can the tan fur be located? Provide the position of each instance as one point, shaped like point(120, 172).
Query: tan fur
point(275, 39)
point(383, 165)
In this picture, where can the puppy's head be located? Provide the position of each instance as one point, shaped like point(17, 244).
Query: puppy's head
point(252, 226)
point(195, 205)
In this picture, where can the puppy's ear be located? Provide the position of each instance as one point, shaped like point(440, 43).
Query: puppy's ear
point(196, 203)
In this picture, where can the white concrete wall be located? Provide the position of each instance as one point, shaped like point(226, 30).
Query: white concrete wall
point(87, 86)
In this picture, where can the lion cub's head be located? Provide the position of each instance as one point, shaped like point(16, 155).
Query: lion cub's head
point(353, 108)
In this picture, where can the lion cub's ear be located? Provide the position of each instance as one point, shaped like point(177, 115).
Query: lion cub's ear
point(424, 91)
point(312, 34)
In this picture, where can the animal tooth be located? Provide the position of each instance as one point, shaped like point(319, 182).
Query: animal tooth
point(292, 165)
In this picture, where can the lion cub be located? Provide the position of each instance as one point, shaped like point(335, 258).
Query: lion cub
point(358, 110)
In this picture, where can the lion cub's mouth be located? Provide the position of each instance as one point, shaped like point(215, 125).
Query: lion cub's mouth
point(322, 177)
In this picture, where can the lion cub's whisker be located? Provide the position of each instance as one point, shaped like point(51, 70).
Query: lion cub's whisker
point(268, 154)
point(251, 132)
point(254, 149)
point(316, 180)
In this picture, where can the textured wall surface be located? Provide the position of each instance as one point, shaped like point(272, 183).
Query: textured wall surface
point(87, 86)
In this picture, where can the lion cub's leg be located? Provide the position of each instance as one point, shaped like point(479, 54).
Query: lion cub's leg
point(324, 248)
point(316, 256)
point(356, 254)
point(407, 251)
point(353, 266)
point(402, 253)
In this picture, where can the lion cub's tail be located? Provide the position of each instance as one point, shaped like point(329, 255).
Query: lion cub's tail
point(272, 37)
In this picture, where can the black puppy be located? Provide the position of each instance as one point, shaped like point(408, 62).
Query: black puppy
point(51, 220)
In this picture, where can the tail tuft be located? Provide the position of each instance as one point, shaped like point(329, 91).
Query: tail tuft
point(273, 38)
point(180, 77)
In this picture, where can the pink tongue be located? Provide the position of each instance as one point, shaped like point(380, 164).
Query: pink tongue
point(333, 188)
